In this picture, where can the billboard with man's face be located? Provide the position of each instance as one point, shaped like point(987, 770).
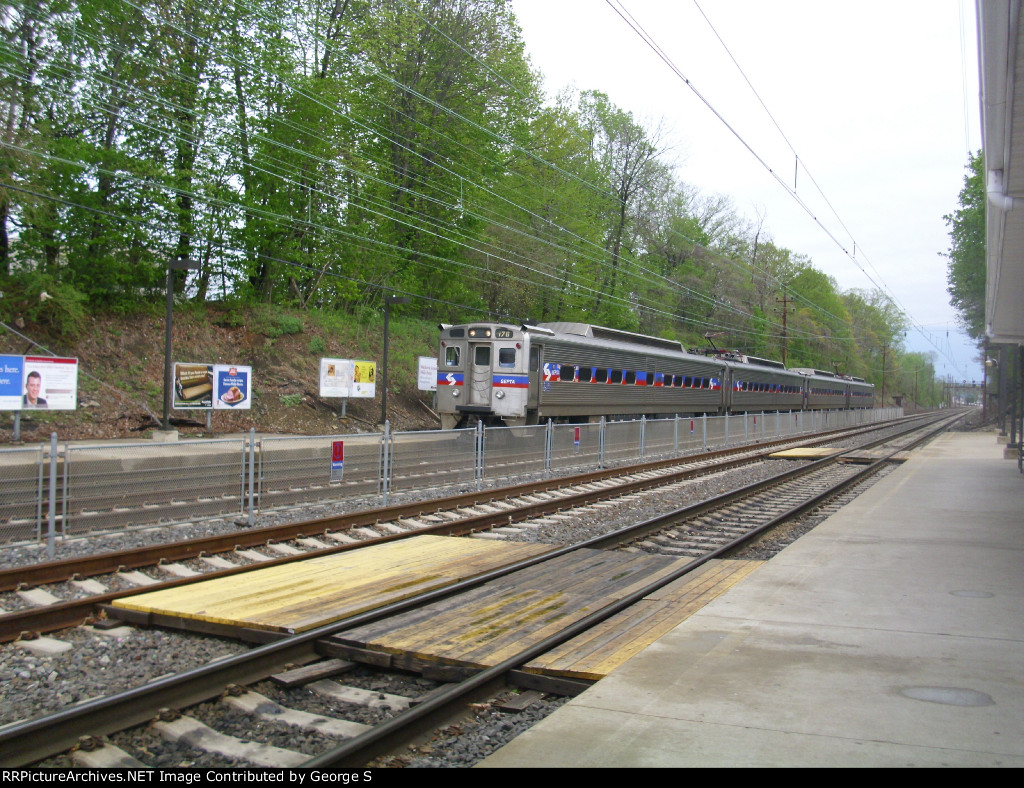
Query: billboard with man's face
point(38, 383)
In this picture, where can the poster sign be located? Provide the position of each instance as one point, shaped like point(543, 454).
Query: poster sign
point(335, 377)
point(12, 378)
point(50, 383)
point(193, 386)
point(232, 387)
point(342, 377)
point(337, 460)
point(364, 379)
point(427, 375)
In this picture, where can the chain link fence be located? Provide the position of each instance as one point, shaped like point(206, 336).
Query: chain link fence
point(48, 491)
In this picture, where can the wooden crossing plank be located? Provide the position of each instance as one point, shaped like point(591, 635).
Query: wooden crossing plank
point(805, 453)
point(596, 653)
point(306, 594)
point(486, 625)
point(490, 623)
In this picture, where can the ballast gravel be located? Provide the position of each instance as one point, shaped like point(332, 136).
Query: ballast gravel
point(102, 663)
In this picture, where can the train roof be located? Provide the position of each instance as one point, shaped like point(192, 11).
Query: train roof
point(821, 373)
point(602, 333)
point(763, 362)
point(613, 334)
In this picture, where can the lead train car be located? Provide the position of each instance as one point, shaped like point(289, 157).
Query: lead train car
point(577, 372)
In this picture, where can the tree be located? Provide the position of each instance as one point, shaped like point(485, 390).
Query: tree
point(966, 269)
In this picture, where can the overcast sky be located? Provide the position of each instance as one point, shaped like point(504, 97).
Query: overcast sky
point(879, 100)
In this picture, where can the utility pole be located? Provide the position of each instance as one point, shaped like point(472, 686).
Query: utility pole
point(884, 348)
point(785, 301)
point(388, 301)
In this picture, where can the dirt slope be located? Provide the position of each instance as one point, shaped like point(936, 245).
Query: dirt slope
point(121, 362)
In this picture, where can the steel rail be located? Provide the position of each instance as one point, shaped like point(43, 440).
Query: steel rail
point(32, 621)
point(30, 741)
point(106, 563)
point(387, 736)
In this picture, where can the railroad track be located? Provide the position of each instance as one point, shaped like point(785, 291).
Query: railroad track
point(50, 596)
point(22, 743)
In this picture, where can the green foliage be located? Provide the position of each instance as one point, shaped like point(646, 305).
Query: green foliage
point(39, 299)
point(309, 159)
point(285, 324)
point(291, 400)
point(966, 274)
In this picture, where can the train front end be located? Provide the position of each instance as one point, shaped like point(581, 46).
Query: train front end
point(482, 374)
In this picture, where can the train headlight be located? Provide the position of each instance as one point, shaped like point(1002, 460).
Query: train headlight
point(500, 395)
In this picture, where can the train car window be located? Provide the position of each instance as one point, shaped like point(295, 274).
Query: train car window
point(567, 373)
point(482, 356)
point(506, 357)
point(534, 359)
point(616, 376)
point(457, 333)
point(600, 375)
point(630, 378)
point(453, 356)
point(677, 381)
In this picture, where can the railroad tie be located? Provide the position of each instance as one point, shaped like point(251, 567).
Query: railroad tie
point(358, 696)
point(136, 578)
point(265, 708)
point(192, 732)
point(106, 756)
point(284, 549)
point(38, 597)
point(178, 570)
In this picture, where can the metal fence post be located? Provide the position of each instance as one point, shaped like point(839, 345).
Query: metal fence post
point(704, 428)
point(675, 435)
point(386, 464)
point(52, 519)
point(548, 431)
point(65, 509)
point(601, 457)
point(727, 429)
point(251, 519)
point(643, 437)
point(481, 437)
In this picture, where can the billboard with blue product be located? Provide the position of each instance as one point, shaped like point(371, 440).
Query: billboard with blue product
point(231, 387)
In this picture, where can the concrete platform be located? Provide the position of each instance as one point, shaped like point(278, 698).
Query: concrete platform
point(892, 635)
